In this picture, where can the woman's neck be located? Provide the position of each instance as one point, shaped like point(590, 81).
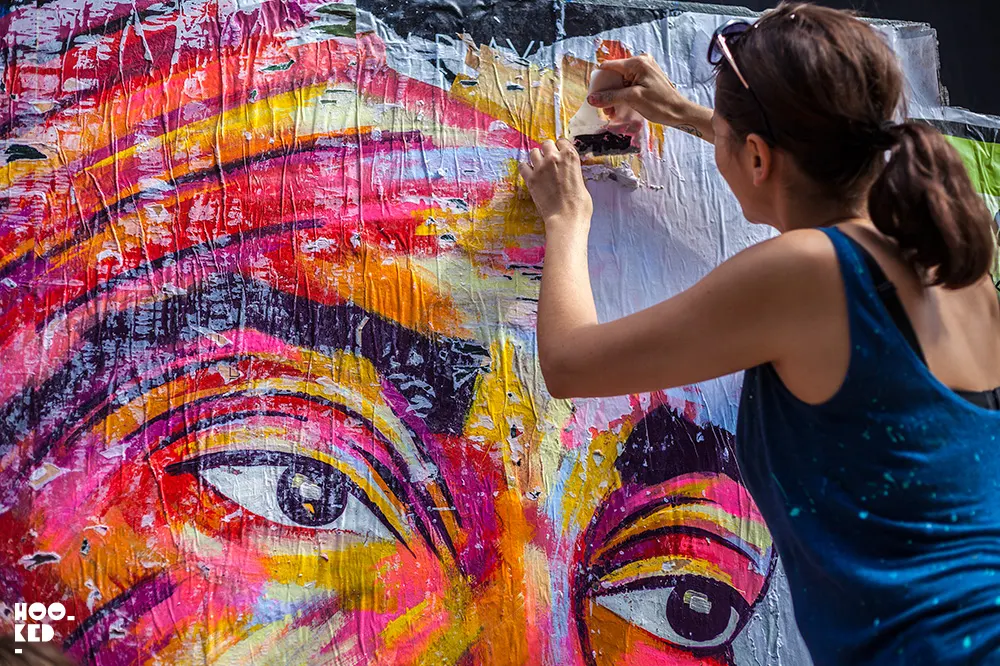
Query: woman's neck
point(808, 213)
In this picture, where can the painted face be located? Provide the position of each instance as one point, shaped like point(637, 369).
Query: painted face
point(269, 392)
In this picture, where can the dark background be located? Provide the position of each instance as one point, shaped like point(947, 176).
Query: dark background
point(968, 30)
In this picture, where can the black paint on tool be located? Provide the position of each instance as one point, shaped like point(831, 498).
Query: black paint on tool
point(604, 143)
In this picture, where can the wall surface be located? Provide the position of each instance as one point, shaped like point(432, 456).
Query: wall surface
point(268, 381)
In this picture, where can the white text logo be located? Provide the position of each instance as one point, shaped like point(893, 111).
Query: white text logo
point(29, 628)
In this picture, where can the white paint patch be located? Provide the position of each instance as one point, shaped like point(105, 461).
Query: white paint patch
point(621, 174)
point(38, 559)
point(113, 452)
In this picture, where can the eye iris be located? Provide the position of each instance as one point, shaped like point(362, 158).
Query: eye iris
point(699, 611)
point(312, 493)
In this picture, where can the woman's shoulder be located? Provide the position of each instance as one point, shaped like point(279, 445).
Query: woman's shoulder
point(808, 243)
point(795, 260)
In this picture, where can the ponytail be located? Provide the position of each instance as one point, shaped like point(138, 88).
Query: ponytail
point(924, 199)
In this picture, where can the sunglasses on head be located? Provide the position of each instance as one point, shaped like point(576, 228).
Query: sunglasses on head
point(718, 50)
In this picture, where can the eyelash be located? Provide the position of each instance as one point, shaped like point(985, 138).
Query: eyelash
point(304, 489)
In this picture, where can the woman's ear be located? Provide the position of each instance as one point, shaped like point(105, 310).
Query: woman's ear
point(761, 158)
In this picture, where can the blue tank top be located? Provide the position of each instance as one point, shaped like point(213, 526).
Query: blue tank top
point(883, 502)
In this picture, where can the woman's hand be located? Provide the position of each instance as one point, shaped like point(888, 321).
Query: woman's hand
point(649, 91)
point(555, 181)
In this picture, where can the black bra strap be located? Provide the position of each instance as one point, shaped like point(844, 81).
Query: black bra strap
point(984, 399)
point(887, 292)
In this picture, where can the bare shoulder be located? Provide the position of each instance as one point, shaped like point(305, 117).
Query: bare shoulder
point(804, 259)
point(798, 276)
point(805, 245)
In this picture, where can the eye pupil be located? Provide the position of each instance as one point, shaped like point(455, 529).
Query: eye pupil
point(700, 610)
point(312, 493)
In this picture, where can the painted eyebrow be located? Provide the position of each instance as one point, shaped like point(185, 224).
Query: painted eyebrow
point(610, 562)
point(435, 375)
point(664, 445)
point(648, 510)
point(601, 564)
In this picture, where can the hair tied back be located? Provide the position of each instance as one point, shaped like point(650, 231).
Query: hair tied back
point(887, 135)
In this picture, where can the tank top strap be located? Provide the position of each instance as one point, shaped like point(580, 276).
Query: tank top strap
point(858, 280)
point(871, 324)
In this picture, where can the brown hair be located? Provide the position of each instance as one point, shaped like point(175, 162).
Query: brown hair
point(830, 86)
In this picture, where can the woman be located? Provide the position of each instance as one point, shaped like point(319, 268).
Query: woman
point(869, 331)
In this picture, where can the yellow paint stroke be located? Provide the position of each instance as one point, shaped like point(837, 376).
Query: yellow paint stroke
point(666, 565)
point(392, 287)
point(438, 630)
point(710, 516)
point(348, 568)
point(594, 477)
point(503, 414)
point(204, 638)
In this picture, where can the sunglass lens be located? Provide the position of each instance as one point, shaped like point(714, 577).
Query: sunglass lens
point(729, 31)
point(733, 29)
point(714, 52)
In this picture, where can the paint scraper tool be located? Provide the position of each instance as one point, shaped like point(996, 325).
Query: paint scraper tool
point(595, 132)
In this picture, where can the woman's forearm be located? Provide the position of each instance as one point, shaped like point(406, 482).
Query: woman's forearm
point(697, 120)
point(566, 302)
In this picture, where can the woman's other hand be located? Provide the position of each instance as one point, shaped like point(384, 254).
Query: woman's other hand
point(649, 91)
point(555, 181)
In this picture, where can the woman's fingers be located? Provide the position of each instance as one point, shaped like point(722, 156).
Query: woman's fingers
point(525, 170)
point(549, 150)
point(606, 98)
point(621, 65)
point(600, 99)
point(564, 145)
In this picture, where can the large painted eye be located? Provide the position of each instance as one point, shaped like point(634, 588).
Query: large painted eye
point(690, 611)
point(288, 489)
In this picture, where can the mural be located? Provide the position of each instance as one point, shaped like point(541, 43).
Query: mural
point(268, 385)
